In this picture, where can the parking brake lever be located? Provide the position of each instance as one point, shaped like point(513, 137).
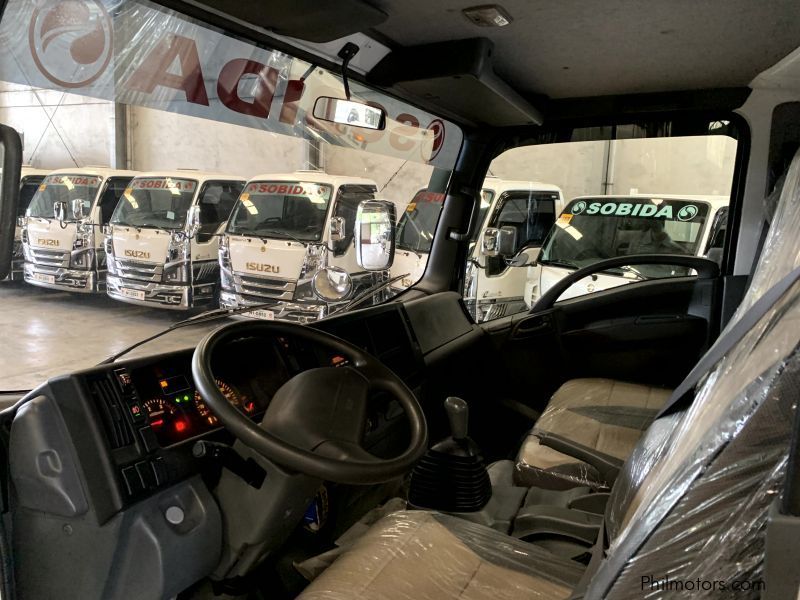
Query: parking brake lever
point(227, 457)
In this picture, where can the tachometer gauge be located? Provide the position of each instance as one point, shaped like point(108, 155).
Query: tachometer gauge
point(231, 395)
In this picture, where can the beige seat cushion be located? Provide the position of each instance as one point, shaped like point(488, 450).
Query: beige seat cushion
point(604, 415)
point(418, 555)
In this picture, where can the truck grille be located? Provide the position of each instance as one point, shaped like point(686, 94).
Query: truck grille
point(50, 258)
point(256, 289)
point(140, 271)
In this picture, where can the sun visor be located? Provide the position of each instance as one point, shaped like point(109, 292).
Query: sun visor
point(308, 20)
point(458, 78)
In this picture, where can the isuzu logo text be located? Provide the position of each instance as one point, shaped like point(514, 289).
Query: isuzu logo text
point(137, 254)
point(47, 242)
point(262, 267)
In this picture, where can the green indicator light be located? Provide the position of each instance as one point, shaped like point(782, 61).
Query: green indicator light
point(186, 398)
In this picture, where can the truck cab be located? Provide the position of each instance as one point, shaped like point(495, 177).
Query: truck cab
point(62, 238)
point(594, 228)
point(163, 238)
point(284, 229)
point(30, 179)
point(493, 283)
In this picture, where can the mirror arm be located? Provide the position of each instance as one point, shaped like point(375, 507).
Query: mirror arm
point(348, 51)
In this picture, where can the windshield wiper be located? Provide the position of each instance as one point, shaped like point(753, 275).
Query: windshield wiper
point(274, 233)
point(204, 317)
point(554, 262)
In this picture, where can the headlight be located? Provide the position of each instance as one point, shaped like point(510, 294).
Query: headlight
point(82, 259)
point(176, 272)
point(224, 253)
point(471, 281)
point(178, 247)
point(226, 279)
point(316, 258)
point(305, 292)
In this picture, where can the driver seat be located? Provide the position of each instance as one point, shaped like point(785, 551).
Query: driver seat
point(671, 512)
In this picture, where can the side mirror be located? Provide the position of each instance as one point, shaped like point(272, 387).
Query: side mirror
point(60, 211)
point(10, 165)
point(332, 284)
point(193, 221)
point(337, 229)
point(77, 209)
point(348, 112)
point(374, 232)
point(499, 241)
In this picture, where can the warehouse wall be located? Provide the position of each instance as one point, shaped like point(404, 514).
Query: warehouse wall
point(59, 129)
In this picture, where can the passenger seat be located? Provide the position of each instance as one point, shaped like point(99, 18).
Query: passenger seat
point(588, 429)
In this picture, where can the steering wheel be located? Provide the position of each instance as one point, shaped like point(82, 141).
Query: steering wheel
point(315, 422)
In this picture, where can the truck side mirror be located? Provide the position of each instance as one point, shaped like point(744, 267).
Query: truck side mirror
point(337, 229)
point(60, 211)
point(499, 241)
point(374, 233)
point(77, 209)
point(193, 221)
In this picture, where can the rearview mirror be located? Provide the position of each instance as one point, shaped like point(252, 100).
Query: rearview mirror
point(337, 229)
point(193, 221)
point(332, 284)
point(60, 211)
point(77, 209)
point(348, 112)
point(374, 233)
point(10, 163)
point(499, 241)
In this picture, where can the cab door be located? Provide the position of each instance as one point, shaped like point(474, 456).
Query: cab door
point(216, 201)
point(500, 282)
point(113, 191)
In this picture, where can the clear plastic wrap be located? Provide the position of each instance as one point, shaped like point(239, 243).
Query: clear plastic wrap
point(419, 555)
point(688, 514)
point(139, 53)
point(603, 415)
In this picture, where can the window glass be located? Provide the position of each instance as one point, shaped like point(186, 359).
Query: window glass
point(155, 202)
point(113, 191)
point(64, 188)
point(636, 190)
point(221, 104)
point(27, 189)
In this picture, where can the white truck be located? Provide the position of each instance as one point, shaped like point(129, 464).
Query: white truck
point(29, 181)
point(593, 228)
point(525, 210)
point(284, 230)
point(163, 238)
point(62, 239)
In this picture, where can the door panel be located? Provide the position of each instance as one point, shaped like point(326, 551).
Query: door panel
point(649, 332)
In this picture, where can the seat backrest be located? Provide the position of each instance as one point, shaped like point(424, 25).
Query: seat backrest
point(693, 497)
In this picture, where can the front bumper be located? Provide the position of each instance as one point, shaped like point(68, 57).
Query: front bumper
point(160, 295)
point(60, 278)
point(295, 312)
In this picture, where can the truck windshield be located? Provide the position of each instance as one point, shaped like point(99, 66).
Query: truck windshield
point(418, 223)
point(63, 187)
point(592, 229)
point(282, 209)
point(156, 202)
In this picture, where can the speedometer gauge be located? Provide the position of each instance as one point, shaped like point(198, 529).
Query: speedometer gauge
point(159, 412)
point(231, 395)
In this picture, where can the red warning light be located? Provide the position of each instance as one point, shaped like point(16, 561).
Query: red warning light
point(180, 426)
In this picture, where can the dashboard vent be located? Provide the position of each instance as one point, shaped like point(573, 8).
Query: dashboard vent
point(109, 404)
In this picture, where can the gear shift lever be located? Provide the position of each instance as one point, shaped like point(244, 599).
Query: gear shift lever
point(452, 476)
point(458, 415)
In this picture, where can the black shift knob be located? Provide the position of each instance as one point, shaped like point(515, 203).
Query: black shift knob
point(458, 415)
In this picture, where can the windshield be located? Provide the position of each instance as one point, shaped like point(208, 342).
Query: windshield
point(157, 202)
point(418, 222)
point(592, 229)
point(27, 189)
point(282, 209)
point(65, 188)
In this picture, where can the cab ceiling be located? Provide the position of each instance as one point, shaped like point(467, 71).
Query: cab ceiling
point(579, 48)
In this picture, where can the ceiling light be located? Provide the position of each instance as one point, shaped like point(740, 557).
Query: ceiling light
point(488, 15)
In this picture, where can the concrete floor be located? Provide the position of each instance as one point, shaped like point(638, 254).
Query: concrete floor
point(44, 333)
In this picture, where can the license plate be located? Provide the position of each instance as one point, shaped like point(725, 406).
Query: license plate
point(44, 278)
point(263, 314)
point(135, 294)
